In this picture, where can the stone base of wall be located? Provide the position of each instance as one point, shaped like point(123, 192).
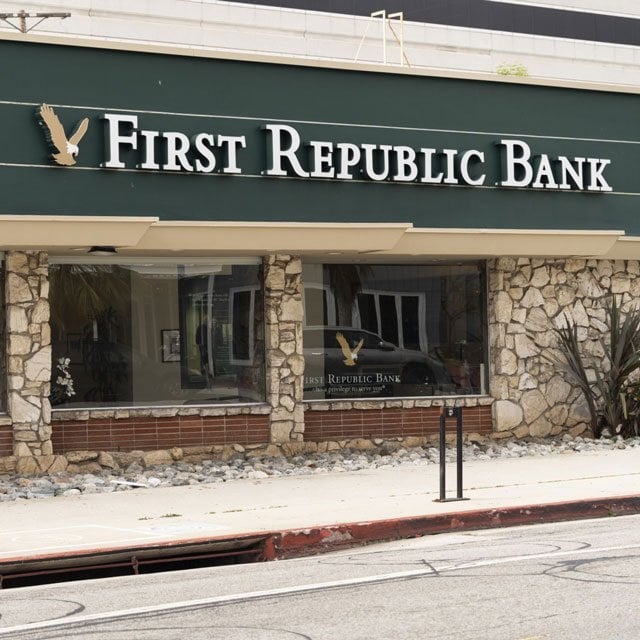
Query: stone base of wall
point(90, 441)
point(88, 461)
point(149, 432)
point(7, 464)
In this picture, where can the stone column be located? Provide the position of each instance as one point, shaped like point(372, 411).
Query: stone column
point(28, 351)
point(283, 346)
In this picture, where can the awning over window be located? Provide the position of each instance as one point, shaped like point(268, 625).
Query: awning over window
point(149, 236)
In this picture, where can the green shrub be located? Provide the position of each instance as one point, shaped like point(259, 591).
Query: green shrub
point(613, 397)
point(513, 69)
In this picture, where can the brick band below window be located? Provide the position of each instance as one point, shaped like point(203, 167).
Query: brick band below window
point(6, 440)
point(389, 423)
point(149, 433)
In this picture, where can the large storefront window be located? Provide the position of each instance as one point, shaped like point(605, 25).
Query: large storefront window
point(141, 333)
point(394, 330)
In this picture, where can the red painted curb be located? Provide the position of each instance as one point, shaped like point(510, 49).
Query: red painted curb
point(297, 543)
point(292, 543)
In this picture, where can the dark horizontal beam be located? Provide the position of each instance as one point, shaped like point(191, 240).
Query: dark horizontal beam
point(486, 14)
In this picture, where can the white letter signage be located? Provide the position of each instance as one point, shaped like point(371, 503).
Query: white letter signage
point(287, 154)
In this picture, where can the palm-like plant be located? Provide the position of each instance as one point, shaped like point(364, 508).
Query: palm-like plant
point(574, 367)
point(613, 397)
point(89, 289)
point(86, 296)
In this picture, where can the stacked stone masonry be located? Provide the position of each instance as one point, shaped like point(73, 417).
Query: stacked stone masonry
point(527, 299)
point(28, 351)
point(283, 338)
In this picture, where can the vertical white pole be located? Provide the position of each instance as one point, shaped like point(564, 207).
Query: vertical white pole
point(400, 17)
point(382, 14)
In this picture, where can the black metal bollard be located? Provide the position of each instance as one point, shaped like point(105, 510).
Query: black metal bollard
point(450, 412)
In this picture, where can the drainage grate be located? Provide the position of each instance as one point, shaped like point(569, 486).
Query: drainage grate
point(132, 562)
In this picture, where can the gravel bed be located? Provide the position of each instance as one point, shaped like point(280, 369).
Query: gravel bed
point(13, 487)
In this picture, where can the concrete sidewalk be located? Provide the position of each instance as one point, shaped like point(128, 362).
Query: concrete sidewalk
point(305, 514)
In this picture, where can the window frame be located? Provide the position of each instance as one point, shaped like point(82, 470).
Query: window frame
point(4, 374)
point(476, 317)
point(186, 265)
point(422, 309)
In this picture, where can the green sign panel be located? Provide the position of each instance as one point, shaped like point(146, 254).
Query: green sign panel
point(97, 132)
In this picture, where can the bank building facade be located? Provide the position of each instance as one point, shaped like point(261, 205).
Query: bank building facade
point(206, 251)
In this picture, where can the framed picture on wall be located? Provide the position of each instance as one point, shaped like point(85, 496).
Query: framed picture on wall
point(170, 345)
point(74, 347)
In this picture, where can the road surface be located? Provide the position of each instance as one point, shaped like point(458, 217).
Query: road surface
point(565, 581)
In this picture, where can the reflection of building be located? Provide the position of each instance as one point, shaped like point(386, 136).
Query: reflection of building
point(433, 311)
point(130, 318)
point(450, 218)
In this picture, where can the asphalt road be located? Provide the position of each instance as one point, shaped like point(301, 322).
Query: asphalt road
point(570, 580)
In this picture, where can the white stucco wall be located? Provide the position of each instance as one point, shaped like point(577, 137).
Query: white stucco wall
point(216, 25)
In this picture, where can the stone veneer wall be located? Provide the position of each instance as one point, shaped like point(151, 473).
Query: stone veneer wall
point(283, 345)
point(529, 395)
point(28, 351)
point(527, 298)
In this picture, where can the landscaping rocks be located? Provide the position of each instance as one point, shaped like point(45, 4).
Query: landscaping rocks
point(244, 465)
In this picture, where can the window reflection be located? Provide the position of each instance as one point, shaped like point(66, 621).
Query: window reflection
point(394, 330)
point(153, 334)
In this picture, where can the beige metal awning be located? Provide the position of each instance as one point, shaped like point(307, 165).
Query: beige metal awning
point(625, 248)
point(382, 240)
point(272, 237)
point(486, 243)
point(149, 236)
point(70, 232)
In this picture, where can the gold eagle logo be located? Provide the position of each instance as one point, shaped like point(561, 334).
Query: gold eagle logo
point(350, 357)
point(67, 149)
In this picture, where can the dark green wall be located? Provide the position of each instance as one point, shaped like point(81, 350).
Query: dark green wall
point(81, 82)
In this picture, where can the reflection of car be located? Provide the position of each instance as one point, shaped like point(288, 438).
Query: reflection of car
point(346, 361)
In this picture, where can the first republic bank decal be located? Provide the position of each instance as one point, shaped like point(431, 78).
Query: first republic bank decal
point(287, 156)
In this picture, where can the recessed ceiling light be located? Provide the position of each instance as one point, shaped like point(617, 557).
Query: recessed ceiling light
point(102, 251)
